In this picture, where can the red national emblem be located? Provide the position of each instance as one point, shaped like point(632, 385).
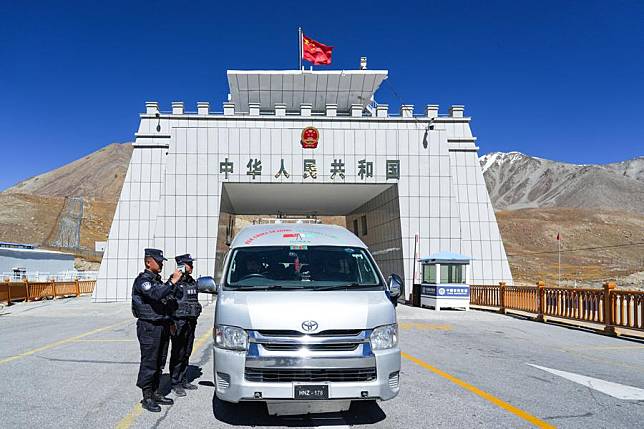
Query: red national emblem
point(310, 137)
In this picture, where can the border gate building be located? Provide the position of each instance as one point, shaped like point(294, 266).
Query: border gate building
point(303, 143)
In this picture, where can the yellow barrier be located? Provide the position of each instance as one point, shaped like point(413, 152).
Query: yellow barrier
point(31, 291)
point(608, 306)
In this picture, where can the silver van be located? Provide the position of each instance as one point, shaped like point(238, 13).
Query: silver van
point(304, 320)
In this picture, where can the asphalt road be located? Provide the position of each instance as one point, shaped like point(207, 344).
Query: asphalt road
point(71, 363)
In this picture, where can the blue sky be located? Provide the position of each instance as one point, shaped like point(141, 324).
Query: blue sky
point(557, 79)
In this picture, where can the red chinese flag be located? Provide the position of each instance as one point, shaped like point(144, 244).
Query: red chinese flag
point(315, 52)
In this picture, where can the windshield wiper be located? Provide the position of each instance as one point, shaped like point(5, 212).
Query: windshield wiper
point(347, 286)
point(271, 287)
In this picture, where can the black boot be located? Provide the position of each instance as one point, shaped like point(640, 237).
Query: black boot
point(148, 403)
point(160, 399)
point(188, 386)
point(178, 390)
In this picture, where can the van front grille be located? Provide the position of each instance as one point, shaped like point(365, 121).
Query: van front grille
point(337, 347)
point(327, 333)
point(284, 375)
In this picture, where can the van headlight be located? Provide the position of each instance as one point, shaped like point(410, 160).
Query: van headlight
point(231, 338)
point(384, 337)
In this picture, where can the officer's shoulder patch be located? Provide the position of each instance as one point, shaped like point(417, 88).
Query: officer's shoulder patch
point(146, 286)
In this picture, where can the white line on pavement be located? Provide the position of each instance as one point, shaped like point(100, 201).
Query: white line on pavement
point(616, 390)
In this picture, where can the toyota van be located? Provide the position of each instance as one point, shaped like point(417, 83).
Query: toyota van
point(304, 320)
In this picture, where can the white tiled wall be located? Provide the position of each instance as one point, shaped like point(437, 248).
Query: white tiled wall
point(481, 237)
point(134, 219)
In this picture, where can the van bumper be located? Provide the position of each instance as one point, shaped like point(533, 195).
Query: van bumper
point(232, 385)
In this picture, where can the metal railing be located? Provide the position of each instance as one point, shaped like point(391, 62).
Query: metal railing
point(614, 309)
point(36, 276)
point(32, 291)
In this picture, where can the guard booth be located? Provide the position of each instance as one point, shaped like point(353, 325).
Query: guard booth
point(445, 281)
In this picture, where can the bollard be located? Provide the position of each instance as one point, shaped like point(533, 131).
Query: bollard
point(502, 297)
point(609, 316)
point(541, 301)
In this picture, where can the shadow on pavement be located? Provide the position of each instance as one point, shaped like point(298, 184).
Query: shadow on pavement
point(256, 414)
point(193, 373)
point(165, 383)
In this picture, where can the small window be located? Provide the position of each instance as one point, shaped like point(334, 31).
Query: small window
point(363, 220)
point(429, 274)
point(355, 226)
point(452, 273)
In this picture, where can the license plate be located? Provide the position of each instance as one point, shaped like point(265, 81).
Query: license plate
point(320, 391)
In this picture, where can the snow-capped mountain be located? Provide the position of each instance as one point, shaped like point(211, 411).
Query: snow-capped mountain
point(515, 180)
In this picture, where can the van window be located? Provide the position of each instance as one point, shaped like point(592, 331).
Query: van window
point(302, 267)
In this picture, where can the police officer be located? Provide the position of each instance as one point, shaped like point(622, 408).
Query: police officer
point(185, 319)
point(150, 306)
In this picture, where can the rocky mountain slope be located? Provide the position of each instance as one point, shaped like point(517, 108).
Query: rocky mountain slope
point(37, 210)
point(529, 236)
point(98, 175)
point(592, 206)
point(517, 181)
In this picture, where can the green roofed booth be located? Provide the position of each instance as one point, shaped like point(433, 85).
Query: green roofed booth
point(445, 282)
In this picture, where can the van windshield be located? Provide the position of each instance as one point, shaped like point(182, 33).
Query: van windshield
point(302, 267)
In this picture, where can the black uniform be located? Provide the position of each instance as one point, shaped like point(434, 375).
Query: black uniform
point(185, 318)
point(150, 306)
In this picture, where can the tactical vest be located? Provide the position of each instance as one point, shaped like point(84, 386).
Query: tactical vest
point(188, 303)
point(144, 308)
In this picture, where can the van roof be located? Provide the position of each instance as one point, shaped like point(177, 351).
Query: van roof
point(294, 235)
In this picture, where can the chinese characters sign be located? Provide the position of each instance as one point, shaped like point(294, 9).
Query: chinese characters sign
point(446, 291)
point(337, 170)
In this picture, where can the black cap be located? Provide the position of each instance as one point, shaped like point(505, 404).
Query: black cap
point(184, 259)
point(156, 254)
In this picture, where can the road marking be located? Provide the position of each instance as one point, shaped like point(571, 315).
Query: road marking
point(199, 342)
point(424, 326)
point(107, 340)
point(61, 342)
point(616, 390)
point(487, 396)
point(127, 421)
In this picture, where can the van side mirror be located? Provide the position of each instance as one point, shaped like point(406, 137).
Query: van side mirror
point(396, 285)
point(207, 284)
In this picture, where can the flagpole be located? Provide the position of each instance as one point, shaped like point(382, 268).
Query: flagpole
point(300, 47)
point(559, 248)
